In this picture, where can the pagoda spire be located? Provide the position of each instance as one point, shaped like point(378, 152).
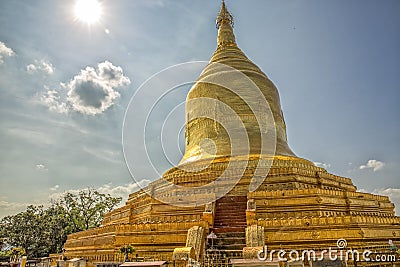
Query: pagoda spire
point(224, 24)
point(224, 16)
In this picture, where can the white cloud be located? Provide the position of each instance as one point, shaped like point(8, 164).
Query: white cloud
point(115, 191)
point(393, 194)
point(93, 91)
point(52, 100)
point(373, 164)
point(322, 165)
point(5, 52)
point(121, 190)
point(40, 66)
point(55, 188)
point(41, 167)
point(90, 92)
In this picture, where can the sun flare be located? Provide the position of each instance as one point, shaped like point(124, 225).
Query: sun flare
point(88, 11)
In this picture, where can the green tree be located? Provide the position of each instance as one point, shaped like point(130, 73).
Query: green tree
point(85, 210)
point(126, 251)
point(41, 231)
point(57, 229)
point(36, 230)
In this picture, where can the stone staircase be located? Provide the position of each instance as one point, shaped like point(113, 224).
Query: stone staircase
point(230, 223)
point(230, 241)
point(230, 214)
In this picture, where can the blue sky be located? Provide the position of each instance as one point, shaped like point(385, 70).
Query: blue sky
point(65, 85)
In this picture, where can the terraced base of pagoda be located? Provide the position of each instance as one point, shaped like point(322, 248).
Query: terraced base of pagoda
point(298, 206)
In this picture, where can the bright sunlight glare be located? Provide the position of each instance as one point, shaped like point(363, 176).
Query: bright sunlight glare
point(88, 11)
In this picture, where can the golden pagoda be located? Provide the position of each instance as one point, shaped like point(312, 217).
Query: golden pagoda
point(239, 187)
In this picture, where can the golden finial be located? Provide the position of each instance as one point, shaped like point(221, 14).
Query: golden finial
point(224, 16)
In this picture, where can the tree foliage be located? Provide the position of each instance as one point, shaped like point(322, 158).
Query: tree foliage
point(126, 251)
point(85, 210)
point(37, 230)
point(41, 231)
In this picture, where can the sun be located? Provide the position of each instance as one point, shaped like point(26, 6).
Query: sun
point(88, 11)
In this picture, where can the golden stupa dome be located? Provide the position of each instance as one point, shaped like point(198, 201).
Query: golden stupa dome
point(233, 88)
